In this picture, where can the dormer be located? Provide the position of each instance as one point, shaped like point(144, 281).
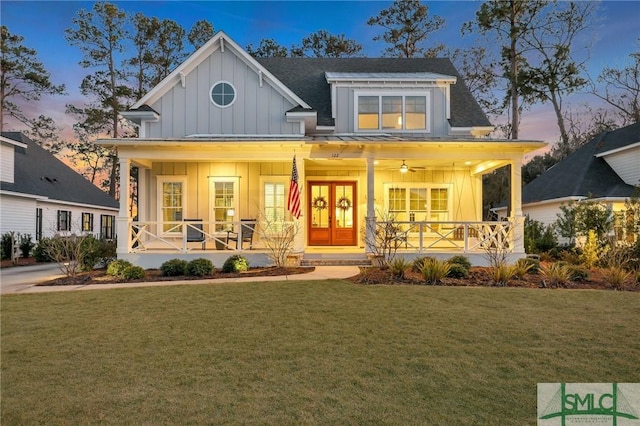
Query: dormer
point(412, 102)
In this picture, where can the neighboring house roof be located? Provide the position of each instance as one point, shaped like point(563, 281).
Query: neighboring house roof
point(583, 173)
point(38, 172)
point(306, 77)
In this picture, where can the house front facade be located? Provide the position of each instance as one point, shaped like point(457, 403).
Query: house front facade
point(42, 197)
point(374, 141)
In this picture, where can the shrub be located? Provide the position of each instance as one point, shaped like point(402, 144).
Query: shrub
point(419, 263)
point(41, 252)
point(434, 270)
point(98, 252)
point(522, 267)
point(235, 263)
point(534, 264)
point(578, 273)
point(174, 268)
point(617, 277)
point(200, 267)
point(6, 249)
point(456, 270)
point(116, 267)
point(398, 267)
point(460, 260)
point(591, 251)
point(26, 244)
point(132, 273)
point(558, 274)
point(502, 274)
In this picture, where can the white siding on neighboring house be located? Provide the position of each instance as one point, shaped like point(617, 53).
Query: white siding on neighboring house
point(544, 213)
point(17, 214)
point(50, 218)
point(626, 164)
point(6, 163)
point(189, 110)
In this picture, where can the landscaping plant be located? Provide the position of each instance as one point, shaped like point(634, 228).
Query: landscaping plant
point(116, 267)
point(200, 267)
point(434, 270)
point(174, 268)
point(235, 263)
point(555, 275)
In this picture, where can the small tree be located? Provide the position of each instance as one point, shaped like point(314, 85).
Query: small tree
point(383, 238)
point(278, 237)
point(69, 253)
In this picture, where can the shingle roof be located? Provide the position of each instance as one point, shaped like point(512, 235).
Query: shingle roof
point(306, 77)
point(38, 172)
point(582, 174)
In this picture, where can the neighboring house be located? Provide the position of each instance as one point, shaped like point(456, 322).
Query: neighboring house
point(606, 169)
point(42, 197)
point(373, 139)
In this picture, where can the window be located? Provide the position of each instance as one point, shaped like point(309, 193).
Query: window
point(106, 226)
point(64, 220)
point(430, 203)
point(394, 112)
point(223, 94)
point(38, 224)
point(87, 222)
point(224, 202)
point(171, 193)
point(274, 202)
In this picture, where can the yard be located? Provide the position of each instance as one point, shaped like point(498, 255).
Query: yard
point(326, 352)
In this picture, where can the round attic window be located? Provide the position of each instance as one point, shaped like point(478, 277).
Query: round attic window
point(223, 94)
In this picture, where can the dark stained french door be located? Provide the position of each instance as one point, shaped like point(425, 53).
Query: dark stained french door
point(331, 213)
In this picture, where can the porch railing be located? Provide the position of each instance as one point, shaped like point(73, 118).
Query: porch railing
point(466, 237)
point(189, 235)
point(192, 235)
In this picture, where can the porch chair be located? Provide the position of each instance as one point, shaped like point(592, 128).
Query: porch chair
point(247, 233)
point(195, 233)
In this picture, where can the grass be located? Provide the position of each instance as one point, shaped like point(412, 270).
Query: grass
point(326, 352)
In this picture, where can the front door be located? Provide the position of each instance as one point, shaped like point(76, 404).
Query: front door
point(331, 208)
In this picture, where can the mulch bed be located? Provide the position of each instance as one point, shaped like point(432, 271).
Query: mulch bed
point(22, 261)
point(99, 276)
point(479, 277)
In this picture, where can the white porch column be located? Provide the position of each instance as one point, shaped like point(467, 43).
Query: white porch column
point(123, 219)
point(516, 205)
point(370, 218)
point(143, 193)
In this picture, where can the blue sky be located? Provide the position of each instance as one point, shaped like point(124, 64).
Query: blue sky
point(42, 24)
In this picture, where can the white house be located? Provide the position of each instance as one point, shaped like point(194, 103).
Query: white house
point(606, 170)
point(41, 196)
point(373, 139)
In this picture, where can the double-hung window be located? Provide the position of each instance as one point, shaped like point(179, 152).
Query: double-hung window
point(172, 201)
point(107, 229)
point(275, 203)
point(224, 202)
point(64, 220)
point(393, 112)
point(87, 222)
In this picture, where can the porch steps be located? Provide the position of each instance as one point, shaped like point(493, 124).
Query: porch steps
point(335, 259)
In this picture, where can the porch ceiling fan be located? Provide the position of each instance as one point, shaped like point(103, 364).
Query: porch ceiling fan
point(404, 168)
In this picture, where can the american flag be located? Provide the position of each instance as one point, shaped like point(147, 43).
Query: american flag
point(293, 202)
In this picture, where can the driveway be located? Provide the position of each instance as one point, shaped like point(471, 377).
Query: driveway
point(19, 278)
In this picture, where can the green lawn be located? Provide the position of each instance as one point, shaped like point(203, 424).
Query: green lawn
point(327, 352)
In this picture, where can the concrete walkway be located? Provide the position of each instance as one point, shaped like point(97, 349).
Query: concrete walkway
point(24, 279)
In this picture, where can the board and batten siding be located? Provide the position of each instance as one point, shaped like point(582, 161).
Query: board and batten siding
point(346, 107)
point(7, 155)
point(188, 110)
point(626, 164)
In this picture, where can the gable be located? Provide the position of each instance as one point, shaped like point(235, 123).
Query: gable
point(181, 105)
point(582, 174)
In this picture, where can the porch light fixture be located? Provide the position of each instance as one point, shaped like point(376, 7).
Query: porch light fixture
point(404, 168)
point(231, 212)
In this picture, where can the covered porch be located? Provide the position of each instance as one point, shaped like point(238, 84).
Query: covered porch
point(198, 198)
